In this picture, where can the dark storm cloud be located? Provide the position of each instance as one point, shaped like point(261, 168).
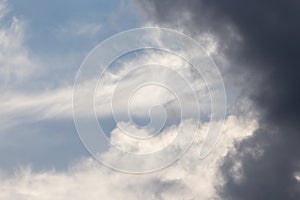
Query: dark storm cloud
point(266, 46)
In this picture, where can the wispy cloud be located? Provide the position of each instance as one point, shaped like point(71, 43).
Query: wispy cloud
point(16, 65)
point(79, 29)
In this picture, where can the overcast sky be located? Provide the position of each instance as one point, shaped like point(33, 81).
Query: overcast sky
point(249, 65)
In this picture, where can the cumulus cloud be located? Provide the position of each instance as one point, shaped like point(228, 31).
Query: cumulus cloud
point(188, 178)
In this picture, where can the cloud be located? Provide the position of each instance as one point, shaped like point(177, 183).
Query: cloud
point(56, 103)
point(189, 178)
point(79, 29)
point(260, 41)
point(16, 65)
point(21, 107)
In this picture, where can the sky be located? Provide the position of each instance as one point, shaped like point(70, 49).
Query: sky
point(149, 100)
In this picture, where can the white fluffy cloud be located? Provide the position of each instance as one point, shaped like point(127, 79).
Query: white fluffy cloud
point(189, 178)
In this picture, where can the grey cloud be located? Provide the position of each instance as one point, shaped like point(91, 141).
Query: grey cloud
point(260, 39)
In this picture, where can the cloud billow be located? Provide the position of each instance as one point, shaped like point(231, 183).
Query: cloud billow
point(260, 39)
